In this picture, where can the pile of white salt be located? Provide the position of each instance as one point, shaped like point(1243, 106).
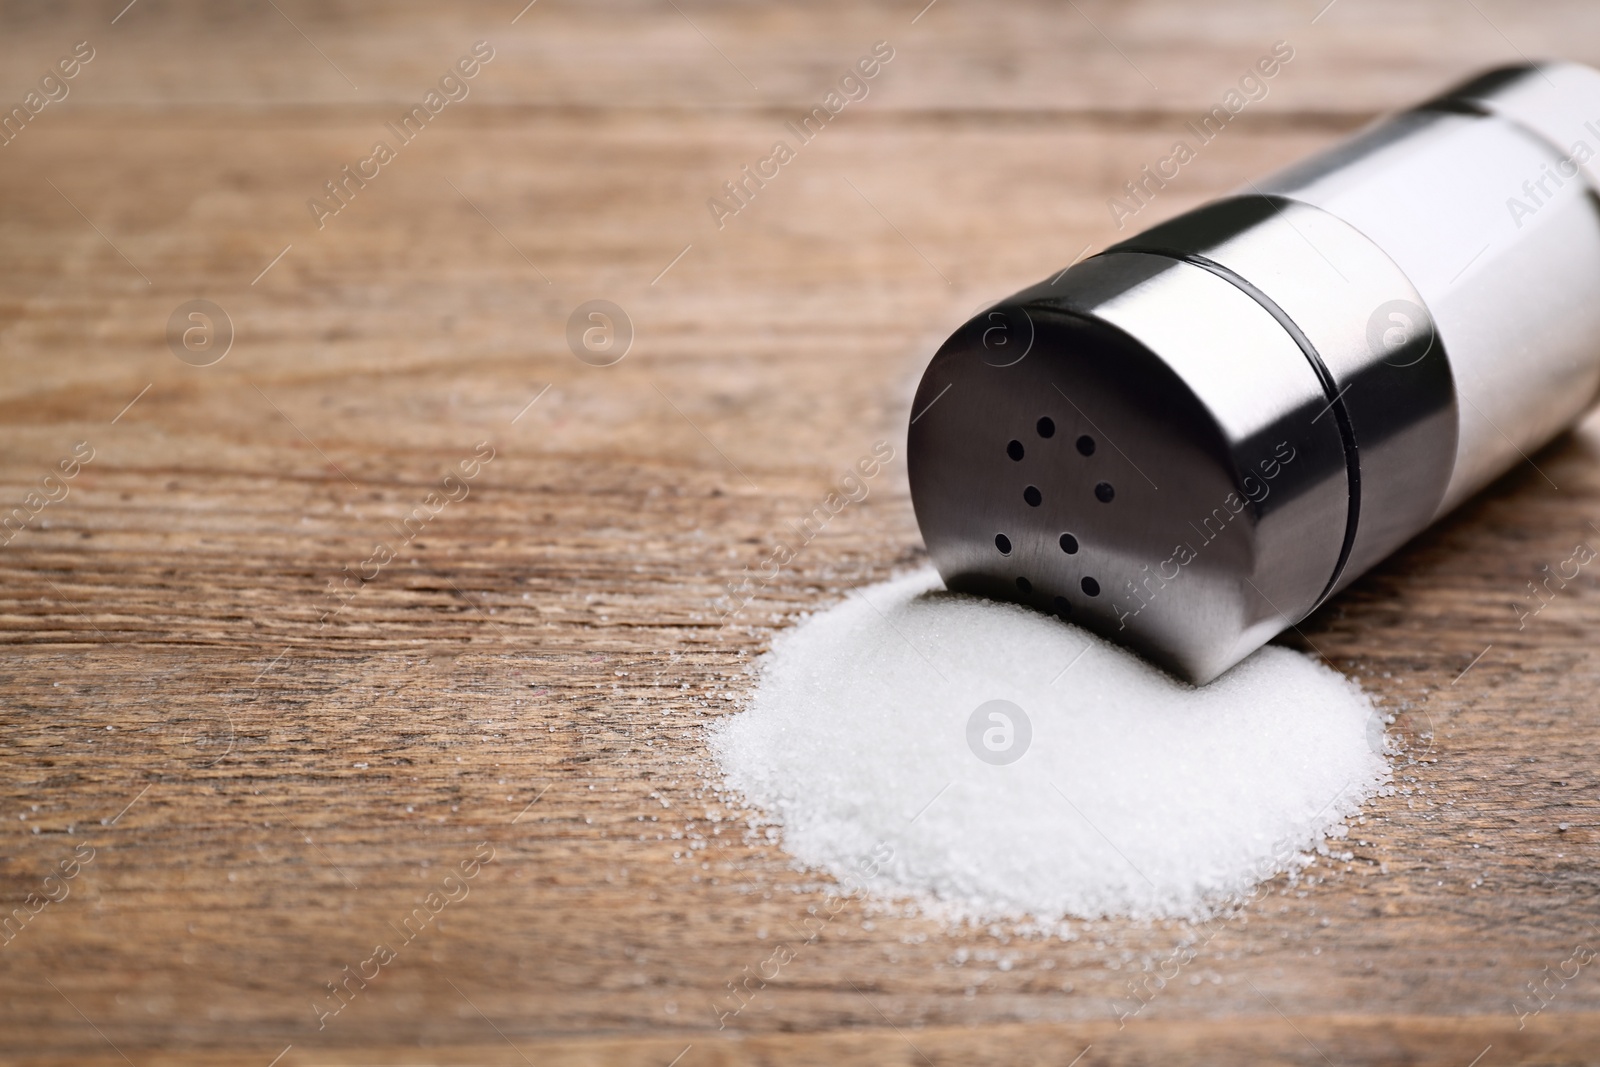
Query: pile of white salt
point(1011, 766)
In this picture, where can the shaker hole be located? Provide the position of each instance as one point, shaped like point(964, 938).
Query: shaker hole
point(1014, 450)
point(1003, 543)
point(1090, 587)
point(1032, 496)
point(1086, 445)
point(1046, 427)
point(1104, 493)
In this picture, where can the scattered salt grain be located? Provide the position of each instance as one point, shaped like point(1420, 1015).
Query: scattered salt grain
point(989, 762)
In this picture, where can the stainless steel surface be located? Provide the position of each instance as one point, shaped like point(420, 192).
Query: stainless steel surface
point(1250, 405)
point(1512, 292)
point(1359, 320)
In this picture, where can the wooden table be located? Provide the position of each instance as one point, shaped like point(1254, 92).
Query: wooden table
point(250, 790)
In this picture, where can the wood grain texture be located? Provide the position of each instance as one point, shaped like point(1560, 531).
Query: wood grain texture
point(269, 794)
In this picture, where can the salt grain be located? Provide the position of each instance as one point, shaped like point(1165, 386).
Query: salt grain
point(990, 762)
